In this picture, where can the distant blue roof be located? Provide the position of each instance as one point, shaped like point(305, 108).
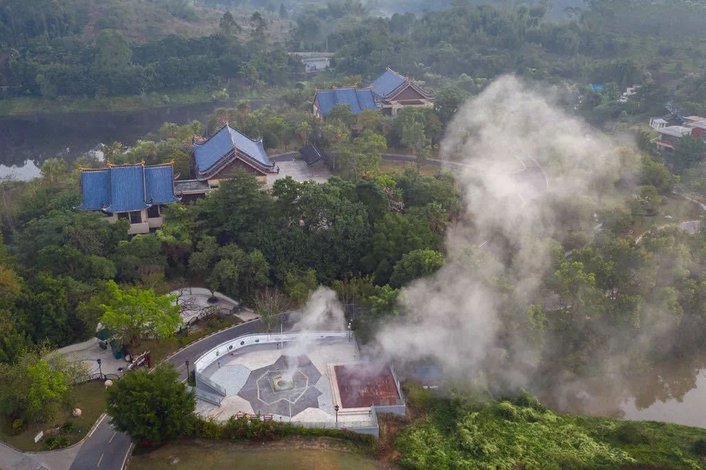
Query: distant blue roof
point(126, 188)
point(597, 87)
point(95, 189)
point(222, 143)
point(356, 99)
point(385, 84)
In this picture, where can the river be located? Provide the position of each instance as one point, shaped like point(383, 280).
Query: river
point(26, 141)
point(674, 393)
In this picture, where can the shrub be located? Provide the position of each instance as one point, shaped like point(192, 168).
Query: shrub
point(17, 426)
point(699, 447)
point(57, 442)
point(68, 427)
point(506, 410)
point(631, 433)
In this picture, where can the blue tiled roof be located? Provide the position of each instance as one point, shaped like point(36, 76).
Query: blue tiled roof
point(126, 188)
point(222, 143)
point(386, 83)
point(160, 184)
point(95, 189)
point(356, 99)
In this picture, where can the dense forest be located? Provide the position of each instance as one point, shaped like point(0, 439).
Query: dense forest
point(69, 50)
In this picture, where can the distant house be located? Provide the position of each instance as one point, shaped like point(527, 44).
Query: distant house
point(393, 91)
point(669, 136)
point(357, 99)
point(227, 151)
point(658, 123)
point(314, 61)
point(697, 124)
point(131, 192)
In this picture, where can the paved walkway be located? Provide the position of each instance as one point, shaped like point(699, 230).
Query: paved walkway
point(11, 459)
point(194, 301)
point(88, 353)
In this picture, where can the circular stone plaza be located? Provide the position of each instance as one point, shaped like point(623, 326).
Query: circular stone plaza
point(312, 379)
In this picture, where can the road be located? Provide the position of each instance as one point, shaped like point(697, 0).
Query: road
point(107, 449)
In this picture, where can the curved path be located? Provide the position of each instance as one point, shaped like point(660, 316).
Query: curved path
point(107, 449)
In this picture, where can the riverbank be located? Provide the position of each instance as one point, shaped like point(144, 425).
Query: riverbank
point(38, 106)
point(468, 431)
point(31, 105)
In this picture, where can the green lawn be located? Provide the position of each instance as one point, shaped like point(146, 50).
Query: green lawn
point(90, 397)
point(286, 455)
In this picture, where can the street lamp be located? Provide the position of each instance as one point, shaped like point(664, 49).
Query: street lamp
point(336, 409)
point(100, 369)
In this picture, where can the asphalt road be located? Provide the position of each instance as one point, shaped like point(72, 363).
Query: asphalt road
point(107, 449)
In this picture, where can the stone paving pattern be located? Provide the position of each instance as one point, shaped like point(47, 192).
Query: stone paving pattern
point(263, 399)
point(239, 372)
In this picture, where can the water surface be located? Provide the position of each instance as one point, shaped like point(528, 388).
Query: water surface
point(26, 141)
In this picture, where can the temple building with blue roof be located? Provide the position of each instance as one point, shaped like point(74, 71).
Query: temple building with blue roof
point(393, 92)
point(357, 99)
point(132, 192)
point(228, 151)
point(389, 93)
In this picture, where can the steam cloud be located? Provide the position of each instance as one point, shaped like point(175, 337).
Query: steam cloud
point(322, 312)
point(531, 173)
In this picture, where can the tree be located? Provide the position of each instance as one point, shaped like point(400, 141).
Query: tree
point(416, 264)
point(32, 389)
point(113, 52)
point(360, 157)
point(12, 341)
point(373, 120)
point(53, 169)
point(227, 24)
point(259, 26)
point(283, 11)
point(134, 313)
point(152, 408)
point(447, 102)
point(688, 152)
point(343, 114)
point(268, 304)
point(299, 285)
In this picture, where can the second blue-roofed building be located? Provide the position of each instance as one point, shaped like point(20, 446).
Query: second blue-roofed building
point(131, 192)
point(393, 92)
point(228, 151)
point(357, 99)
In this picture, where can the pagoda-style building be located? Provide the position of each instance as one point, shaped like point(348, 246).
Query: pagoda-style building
point(133, 192)
point(357, 99)
point(228, 151)
point(393, 92)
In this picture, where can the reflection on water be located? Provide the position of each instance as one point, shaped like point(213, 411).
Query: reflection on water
point(674, 392)
point(27, 171)
point(26, 141)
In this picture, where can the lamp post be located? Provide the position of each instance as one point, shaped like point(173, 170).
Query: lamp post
point(100, 369)
point(336, 410)
point(187, 370)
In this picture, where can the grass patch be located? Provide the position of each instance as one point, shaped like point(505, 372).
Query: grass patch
point(288, 454)
point(89, 397)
